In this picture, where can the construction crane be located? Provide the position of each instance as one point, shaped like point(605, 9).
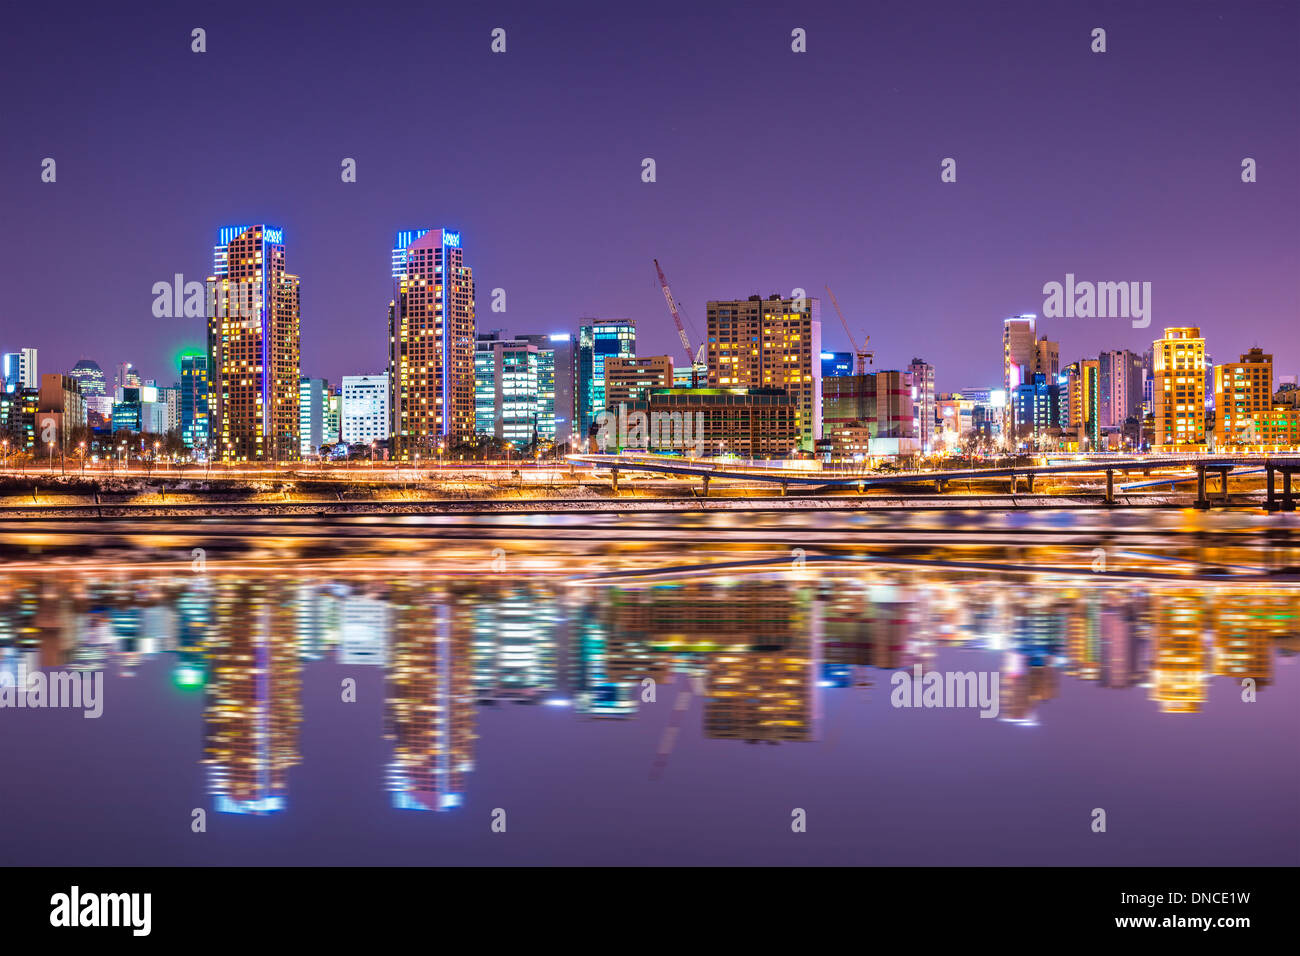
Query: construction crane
point(697, 358)
point(864, 355)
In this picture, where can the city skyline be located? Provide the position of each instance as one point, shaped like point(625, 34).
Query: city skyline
point(1159, 202)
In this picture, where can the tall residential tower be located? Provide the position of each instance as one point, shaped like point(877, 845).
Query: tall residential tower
point(430, 343)
point(253, 347)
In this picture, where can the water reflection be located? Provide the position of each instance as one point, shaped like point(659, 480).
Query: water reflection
point(765, 652)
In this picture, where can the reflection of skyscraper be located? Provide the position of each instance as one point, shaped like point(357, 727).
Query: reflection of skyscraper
point(514, 646)
point(364, 631)
point(254, 707)
point(1242, 626)
point(1181, 666)
point(763, 695)
point(430, 707)
point(1119, 663)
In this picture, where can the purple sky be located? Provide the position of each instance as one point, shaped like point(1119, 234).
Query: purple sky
point(775, 169)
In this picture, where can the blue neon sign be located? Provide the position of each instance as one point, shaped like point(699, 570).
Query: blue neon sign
point(451, 239)
point(273, 236)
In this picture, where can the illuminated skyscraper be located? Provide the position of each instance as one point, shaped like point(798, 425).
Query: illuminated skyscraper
point(430, 343)
point(1245, 399)
point(364, 409)
point(506, 399)
point(923, 402)
point(194, 400)
point(19, 370)
point(91, 377)
point(769, 343)
point(312, 393)
point(596, 342)
point(1179, 389)
point(1019, 350)
point(253, 347)
point(1120, 387)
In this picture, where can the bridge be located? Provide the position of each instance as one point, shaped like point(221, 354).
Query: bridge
point(1204, 465)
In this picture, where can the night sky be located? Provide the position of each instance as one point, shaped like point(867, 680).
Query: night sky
point(774, 169)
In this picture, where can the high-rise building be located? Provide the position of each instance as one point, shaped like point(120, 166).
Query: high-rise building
point(1179, 389)
point(630, 378)
point(770, 343)
point(1079, 405)
point(194, 401)
point(430, 343)
point(253, 347)
point(1019, 350)
point(91, 377)
point(364, 405)
point(556, 357)
point(596, 342)
point(506, 388)
point(1120, 387)
point(923, 402)
point(19, 370)
point(1245, 399)
point(312, 393)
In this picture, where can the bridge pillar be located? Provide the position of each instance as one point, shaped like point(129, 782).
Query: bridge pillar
point(1288, 502)
point(1031, 482)
point(862, 487)
point(785, 485)
point(1270, 503)
point(1110, 486)
point(1014, 484)
point(1201, 500)
point(1223, 484)
point(940, 485)
point(614, 473)
point(705, 479)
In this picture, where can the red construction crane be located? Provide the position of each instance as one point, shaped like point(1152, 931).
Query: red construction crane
point(692, 358)
point(865, 356)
